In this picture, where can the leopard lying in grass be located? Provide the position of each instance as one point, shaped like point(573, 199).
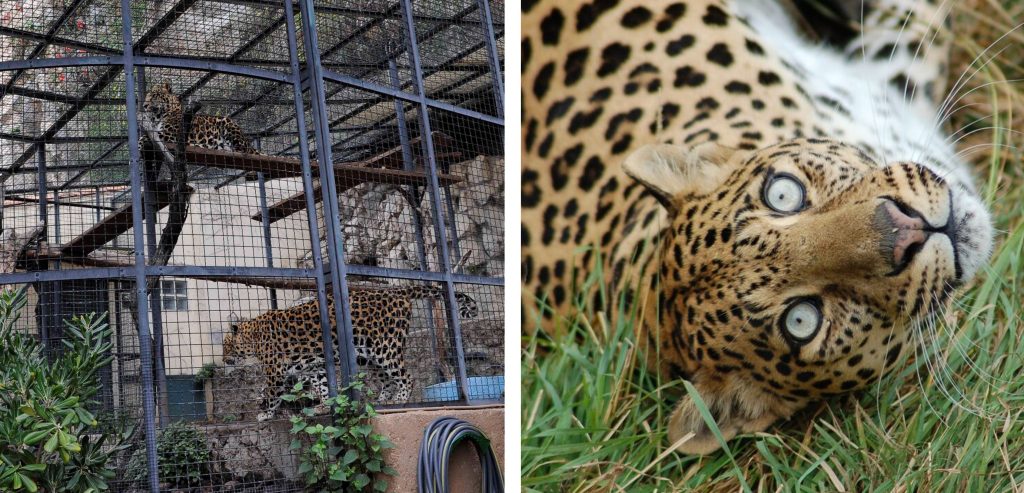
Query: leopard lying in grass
point(805, 208)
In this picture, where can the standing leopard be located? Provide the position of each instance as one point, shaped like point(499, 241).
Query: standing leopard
point(784, 213)
point(289, 343)
point(211, 132)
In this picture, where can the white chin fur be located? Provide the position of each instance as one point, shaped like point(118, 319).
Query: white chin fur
point(973, 234)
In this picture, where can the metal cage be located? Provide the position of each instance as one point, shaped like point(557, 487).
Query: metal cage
point(183, 233)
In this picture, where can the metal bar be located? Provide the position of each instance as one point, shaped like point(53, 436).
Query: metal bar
point(61, 62)
point(383, 90)
point(420, 275)
point(439, 230)
point(68, 274)
point(41, 184)
point(307, 185)
point(155, 305)
point(103, 81)
point(268, 246)
point(207, 271)
point(145, 348)
point(212, 66)
point(407, 163)
point(95, 162)
point(355, 12)
point(27, 200)
point(46, 39)
point(335, 239)
point(338, 46)
point(46, 314)
point(493, 58)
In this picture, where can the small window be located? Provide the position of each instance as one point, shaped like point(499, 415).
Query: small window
point(174, 295)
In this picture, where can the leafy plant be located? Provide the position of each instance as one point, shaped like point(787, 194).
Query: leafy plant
point(183, 455)
point(49, 440)
point(345, 455)
point(205, 373)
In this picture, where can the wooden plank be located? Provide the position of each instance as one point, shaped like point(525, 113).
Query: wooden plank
point(111, 226)
point(346, 178)
point(282, 167)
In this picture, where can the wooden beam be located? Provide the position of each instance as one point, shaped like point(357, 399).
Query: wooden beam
point(282, 167)
point(111, 226)
point(347, 177)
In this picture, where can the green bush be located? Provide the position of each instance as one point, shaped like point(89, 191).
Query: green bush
point(343, 456)
point(183, 453)
point(49, 440)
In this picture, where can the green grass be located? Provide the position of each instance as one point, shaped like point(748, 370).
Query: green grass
point(951, 419)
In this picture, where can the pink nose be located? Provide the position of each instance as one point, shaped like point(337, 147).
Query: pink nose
point(906, 233)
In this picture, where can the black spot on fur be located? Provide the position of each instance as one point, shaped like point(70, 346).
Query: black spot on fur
point(575, 64)
point(720, 54)
point(589, 13)
point(687, 76)
point(592, 172)
point(543, 80)
point(768, 78)
point(612, 57)
point(551, 27)
point(754, 48)
point(636, 17)
point(559, 109)
point(527, 48)
point(531, 193)
point(737, 87)
point(584, 120)
point(676, 47)
point(715, 16)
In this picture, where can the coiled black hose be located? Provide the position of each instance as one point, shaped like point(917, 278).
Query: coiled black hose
point(439, 439)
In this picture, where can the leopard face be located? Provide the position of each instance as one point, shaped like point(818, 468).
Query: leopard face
point(795, 272)
point(160, 101)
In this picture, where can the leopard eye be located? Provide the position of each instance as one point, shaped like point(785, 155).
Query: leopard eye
point(802, 320)
point(784, 193)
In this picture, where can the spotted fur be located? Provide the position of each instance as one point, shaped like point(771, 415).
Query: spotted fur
point(650, 133)
point(289, 343)
point(211, 132)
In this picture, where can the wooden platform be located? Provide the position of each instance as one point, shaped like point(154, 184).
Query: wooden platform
point(347, 177)
point(110, 227)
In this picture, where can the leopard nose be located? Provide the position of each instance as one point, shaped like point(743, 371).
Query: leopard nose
point(903, 233)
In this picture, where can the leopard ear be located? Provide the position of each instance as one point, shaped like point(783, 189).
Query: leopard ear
point(734, 409)
point(668, 171)
point(167, 87)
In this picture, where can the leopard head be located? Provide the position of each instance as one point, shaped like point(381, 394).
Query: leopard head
point(236, 346)
point(795, 272)
point(160, 101)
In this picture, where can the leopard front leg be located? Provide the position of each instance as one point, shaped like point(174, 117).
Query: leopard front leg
point(271, 395)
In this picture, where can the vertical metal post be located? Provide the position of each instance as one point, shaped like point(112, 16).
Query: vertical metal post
point(307, 184)
point(268, 247)
point(58, 286)
point(155, 294)
point(142, 304)
point(407, 164)
point(45, 290)
point(492, 56)
point(335, 240)
point(435, 196)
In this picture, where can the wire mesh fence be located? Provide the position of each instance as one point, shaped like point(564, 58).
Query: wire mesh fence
point(212, 176)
